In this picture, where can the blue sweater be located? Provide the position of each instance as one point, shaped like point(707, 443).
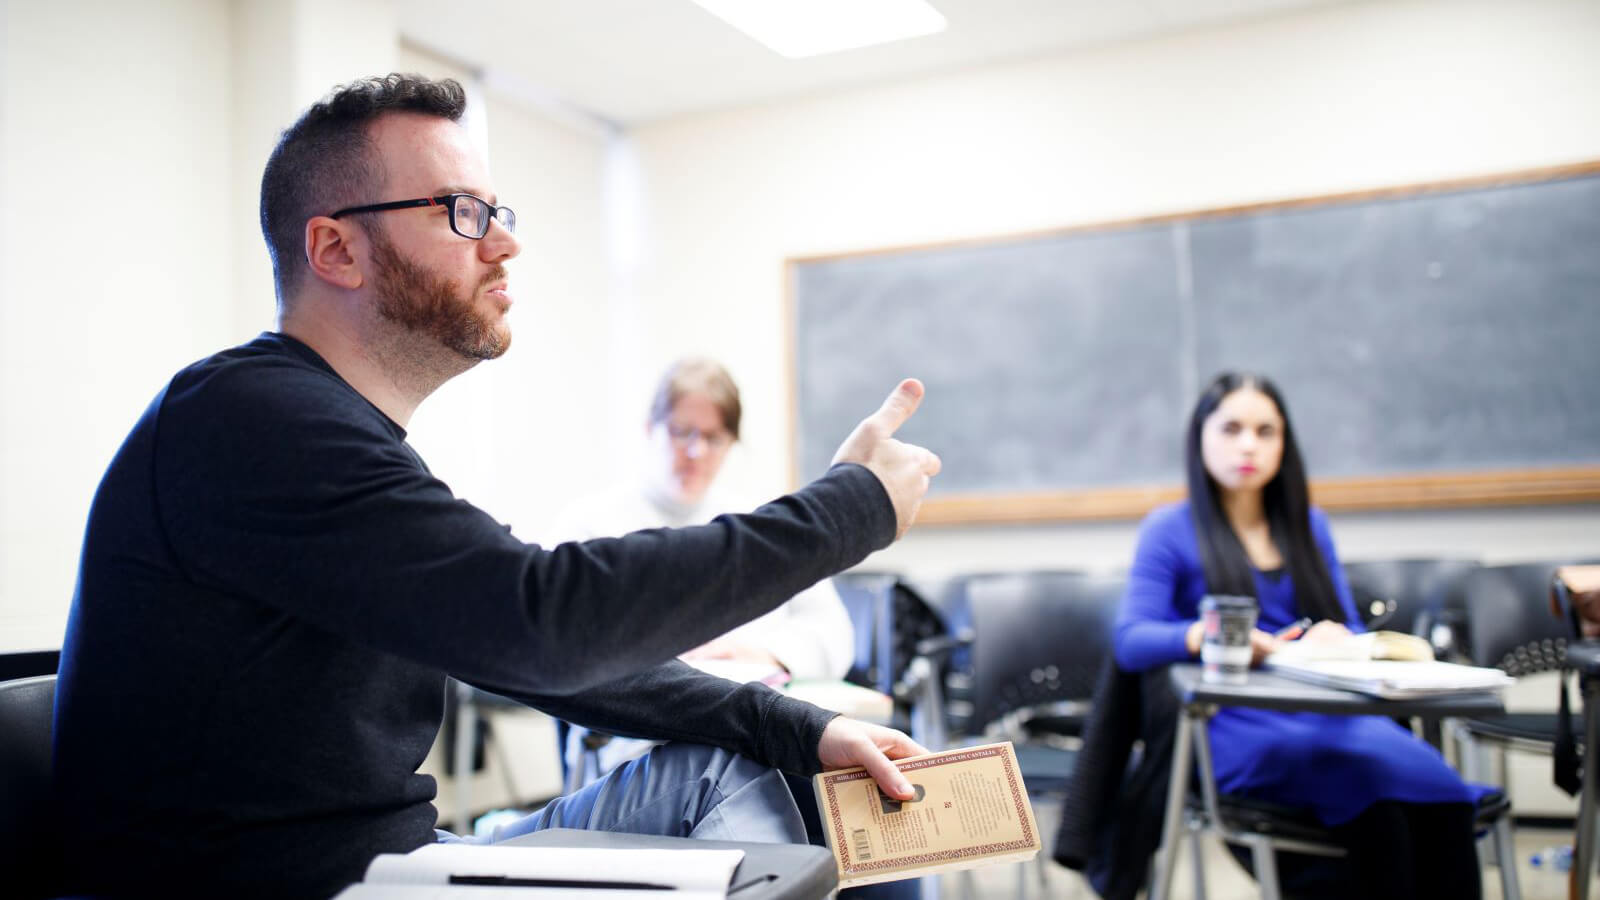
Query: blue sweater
point(273, 589)
point(1336, 766)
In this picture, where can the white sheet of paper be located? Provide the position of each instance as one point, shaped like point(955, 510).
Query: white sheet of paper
point(1393, 679)
point(434, 864)
point(474, 892)
point(365, 891)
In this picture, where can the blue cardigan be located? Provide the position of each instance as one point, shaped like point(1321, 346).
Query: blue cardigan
point(1335, 766)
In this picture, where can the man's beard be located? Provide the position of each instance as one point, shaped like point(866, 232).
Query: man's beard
point(421, 301)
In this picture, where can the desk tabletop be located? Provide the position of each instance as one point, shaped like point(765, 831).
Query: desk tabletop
point(1265, 690)
point(768, 872)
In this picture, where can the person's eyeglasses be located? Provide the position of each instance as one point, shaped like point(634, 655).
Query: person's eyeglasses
point(684, 438)
point(469, 215)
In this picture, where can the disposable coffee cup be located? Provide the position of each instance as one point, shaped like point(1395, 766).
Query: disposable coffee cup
point(1225, 648)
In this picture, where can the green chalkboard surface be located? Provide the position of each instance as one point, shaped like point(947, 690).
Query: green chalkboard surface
point(1434, 335)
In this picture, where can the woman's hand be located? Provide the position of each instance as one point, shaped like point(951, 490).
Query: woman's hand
point(1261, 644)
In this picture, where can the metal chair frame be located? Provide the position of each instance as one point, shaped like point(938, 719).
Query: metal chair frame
point(1192, 738)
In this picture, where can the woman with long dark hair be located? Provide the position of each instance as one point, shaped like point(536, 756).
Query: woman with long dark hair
point(1248, 529)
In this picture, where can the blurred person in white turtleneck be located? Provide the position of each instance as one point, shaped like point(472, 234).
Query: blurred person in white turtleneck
point(692, 426)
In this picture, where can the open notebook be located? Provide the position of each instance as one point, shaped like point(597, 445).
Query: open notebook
point(1393, 679)
point(478, 872)
point(1381, 663)
point(1369, 645)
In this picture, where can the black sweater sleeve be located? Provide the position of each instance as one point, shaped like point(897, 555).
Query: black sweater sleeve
point(312, 503)
point(750, 719)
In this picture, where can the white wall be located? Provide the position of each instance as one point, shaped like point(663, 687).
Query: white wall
point(523, 435)
point(138, 131)
point(1312, 103)
point(134, 135)
point(116, 177)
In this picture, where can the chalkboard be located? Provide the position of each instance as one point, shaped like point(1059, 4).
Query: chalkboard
point(1438, 341)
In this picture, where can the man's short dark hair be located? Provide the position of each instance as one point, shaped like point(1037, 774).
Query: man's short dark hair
point(325, 160)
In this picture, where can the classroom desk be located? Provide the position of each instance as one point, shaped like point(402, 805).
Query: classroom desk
point(1585, 657)
point(1264, 690)
point(768, 871)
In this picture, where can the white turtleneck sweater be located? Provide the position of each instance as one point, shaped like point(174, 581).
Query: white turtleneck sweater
point(811, 634)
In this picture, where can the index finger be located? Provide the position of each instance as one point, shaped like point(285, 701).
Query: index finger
point(887, 775)
point(901, 403)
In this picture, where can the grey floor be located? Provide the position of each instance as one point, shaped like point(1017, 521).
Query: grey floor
point(1225, 880)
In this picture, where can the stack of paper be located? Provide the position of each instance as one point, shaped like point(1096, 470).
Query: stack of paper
point(1392, 679)
point(467, 871)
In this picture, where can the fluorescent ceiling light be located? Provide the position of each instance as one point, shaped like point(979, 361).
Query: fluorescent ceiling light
point(798, 28)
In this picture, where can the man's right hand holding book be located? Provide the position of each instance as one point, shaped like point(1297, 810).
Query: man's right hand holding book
point(847, 743)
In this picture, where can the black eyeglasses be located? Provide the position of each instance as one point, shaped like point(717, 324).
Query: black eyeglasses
point(469, 215)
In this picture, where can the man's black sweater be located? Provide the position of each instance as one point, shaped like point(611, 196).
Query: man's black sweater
point(273, 588)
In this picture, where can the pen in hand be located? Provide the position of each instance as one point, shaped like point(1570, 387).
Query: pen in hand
point(1292, 630)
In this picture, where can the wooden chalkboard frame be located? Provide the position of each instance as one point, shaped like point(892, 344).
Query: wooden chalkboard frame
point(1504, 487)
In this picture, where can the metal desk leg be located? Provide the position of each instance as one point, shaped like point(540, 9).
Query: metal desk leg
point(1177, 794)
point(1506, 852)
point(927, 707)
point(1197, 864)
point(466, 730)
point(1589, 805)
point(1266, 862)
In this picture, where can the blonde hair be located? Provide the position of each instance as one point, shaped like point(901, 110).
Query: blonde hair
point(698, 375)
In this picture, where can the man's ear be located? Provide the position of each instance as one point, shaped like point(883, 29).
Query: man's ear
point(329, 254)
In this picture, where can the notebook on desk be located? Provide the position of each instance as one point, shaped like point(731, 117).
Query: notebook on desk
point(466, 871)
point(1367, 645)
point(1391, 679)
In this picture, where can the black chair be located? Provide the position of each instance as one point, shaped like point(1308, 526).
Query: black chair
point(29, 854)
point(1425, 597)
point(1040, 640)
point(1031, 650)
point(26, 663)
point(869, 600)
point(1259, 833)
point(945, 652)
point(1509, 627)
point(918, 643)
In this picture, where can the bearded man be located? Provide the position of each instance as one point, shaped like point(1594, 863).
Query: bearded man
point(273, 587)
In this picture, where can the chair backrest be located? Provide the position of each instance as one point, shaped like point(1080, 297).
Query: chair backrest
point(1509, 622)
point(1039, 639)
point(26, 663)
point(1414, 586)
point(26, 825)
point(869, 600)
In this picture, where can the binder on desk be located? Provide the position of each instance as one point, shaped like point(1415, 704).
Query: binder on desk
point(1391, 679)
